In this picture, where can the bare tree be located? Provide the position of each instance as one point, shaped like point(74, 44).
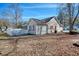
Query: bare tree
point(72, 17)
point(13, 13)
point(17, 13)
point(72, 12)
point(62, 16)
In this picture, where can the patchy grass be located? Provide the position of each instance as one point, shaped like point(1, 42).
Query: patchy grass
point(3, 36)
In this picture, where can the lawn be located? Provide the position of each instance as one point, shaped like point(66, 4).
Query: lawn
point(45, 45)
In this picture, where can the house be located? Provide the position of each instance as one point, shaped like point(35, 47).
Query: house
point(44, 26)
point(35, 26)
point(53, 24)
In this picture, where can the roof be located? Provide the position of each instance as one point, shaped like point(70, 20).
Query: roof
point(45, 20)
point(39, 22)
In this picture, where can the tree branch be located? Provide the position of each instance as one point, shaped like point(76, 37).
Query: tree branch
point(76, 16)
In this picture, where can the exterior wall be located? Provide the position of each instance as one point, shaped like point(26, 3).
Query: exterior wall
point(38, 29)
point(30, 27)
point(59, 29)
point(44, 30)
point(53, 23)
point(41, 29)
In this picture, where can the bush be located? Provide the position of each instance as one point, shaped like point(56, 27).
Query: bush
point(74, 32)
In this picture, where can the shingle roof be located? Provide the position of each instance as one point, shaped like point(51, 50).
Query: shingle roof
point(44, 21)
point(48, 19)
point(39, 22)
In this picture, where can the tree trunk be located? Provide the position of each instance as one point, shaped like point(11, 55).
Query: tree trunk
point(70, 18)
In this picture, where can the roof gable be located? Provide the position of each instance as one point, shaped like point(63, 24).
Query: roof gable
point(38, 22)
point(44, 21)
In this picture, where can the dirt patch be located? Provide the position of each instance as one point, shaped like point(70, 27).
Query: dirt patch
point(47, 45)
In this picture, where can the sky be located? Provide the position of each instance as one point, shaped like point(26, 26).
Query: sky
point(35, 10)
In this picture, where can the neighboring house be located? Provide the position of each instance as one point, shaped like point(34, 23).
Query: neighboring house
point(44, 26)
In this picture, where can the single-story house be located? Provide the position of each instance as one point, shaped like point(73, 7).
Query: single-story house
point(44, 26)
